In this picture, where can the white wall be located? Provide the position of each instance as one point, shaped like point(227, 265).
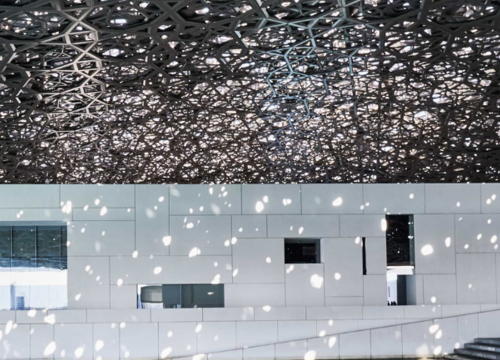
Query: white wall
point(153, 234)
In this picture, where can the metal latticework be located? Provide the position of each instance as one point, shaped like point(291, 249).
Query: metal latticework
point(198, 91)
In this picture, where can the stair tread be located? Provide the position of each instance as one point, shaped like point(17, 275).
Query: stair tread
point(458, 357)
point(482, 346)
point(478, 353)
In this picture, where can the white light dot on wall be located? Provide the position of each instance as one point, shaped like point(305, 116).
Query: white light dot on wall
point(383, 225)
point(458, 204)
point(337, 202)
point(466, 246)
point(316, 281)
point(165, 352)
point(332, 341)
point(167, 240)
point(49, 349)
point(337, 276)
point(135, 254)
point(96, 202)
point(119, 282)
point(447, 241)
point(433, 299)
point(268, 260)
point(310, 355)
point(157, 270)
point(259, 206)
point(104, 210)
point(99, 344)
point(266, 308)
point(433, 328)
point(79, 352)
point(161, 198)
point(198, 328)
point(479, 236)
point(189, 225)
point(234, 240)
point(412, 196)
point(427, 250)
point(493, 239)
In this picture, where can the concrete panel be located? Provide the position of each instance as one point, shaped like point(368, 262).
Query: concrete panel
point(324, 347)
point(200, 235)
point(355, 345)
point(243, 295)
point(216, 336)
point(376, 256)
point(305, 285)
point(25, 214)
point(229, 314)
point(488, 324)
point(490, 198)
point(258, 261)
point(107, 341)
point(249, 226)
point(468, 328)
point(331, 327)
point(205, 199)
point(452, 198)
point(303, 226)
point(271, 199)
point(98, 196)
point(440, 289)
point(152, 219)
point(253, 333)
point(265, 352)
point(394, 198)
point(118, 316)
point(99, 238)
point(445, 333)
point(375, 289)
point(41, 341)
point(177, 339)
point(332, 199)
point(344, 301)
point(418, 339)
point(139, 341)
point(277, 313)
point(343, 266)
point(171, 270)
point(434, 244)
point(88, 282)
point(112, 214)
point(387, 342)
point(29, 196)
point(176, 315)
point(476, 283)
point(334, 312)
point(291, 350)
point(15, 342)
point(362, 225)
point(477, 233)
point(123, 297)
point(73, 341)
point(296, 330)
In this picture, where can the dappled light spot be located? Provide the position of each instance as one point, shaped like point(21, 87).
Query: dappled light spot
point(216, 264)
point(79, 352)
point(31, 313)
point(266, 308)
point(216, 279)
point(50, 319)
point(316, 281)
point(470, 286)
point(85, 208)
point(135, 254)
point(96, 202)
point(466, 246)
point(259, 206)
point(433, 299)
point(493, 239)
point(194, 252)
point(439, 334)
point(227, 243)
point(170, 334)
point(123, 325)
point(119, 282)
point(437, 350)
point(301, 230)
point(447, 242)
point(322, 333)
point(287, 202)
point(457, 345)
point(103, 233)
point(310, 355)
point(235, 272)
point(78, 297)
point(167, 240)
point(332, 341)
point(337, 202)
point(82, 230)
point(268, 260)
point(157, 270)
point(189, 226)
point(412, 196)
point(104, 210)
point(198, 328)
point(234, 240)
point(127, 354)
point(99, 344)
point(383, 225)
point(458, 204)
point(150, 213)
point(49, 349)
point(265, 199)
point(165, 352)
point(489, 221)
point(289, 269)
point(357, 240)
point(427, 250)
point(68, 207)
point(161, 198)
point(479, 236)
point(240, 229)
point(337, 276)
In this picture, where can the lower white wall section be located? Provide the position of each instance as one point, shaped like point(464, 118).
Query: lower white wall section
point(245, 333)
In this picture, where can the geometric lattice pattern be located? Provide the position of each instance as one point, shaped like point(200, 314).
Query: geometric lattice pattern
point(234, 91)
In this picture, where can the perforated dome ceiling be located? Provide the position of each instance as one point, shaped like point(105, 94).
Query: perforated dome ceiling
point(249, 91)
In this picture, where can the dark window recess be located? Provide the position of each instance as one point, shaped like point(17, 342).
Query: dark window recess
point(182, 296)
point(400, 240)
point(302, 251)
point(363, 244)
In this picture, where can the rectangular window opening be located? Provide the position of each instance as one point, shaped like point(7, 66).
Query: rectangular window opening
point(33, 267)
point(302, 251)
point(180, 296)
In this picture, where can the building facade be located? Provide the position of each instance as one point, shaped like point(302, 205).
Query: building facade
point(126, 241)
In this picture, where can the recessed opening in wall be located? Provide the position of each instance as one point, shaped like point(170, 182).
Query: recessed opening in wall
point(180, 296)
point(400, 240)
point(401, 283)
point(302, 251)
point(33, 267)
